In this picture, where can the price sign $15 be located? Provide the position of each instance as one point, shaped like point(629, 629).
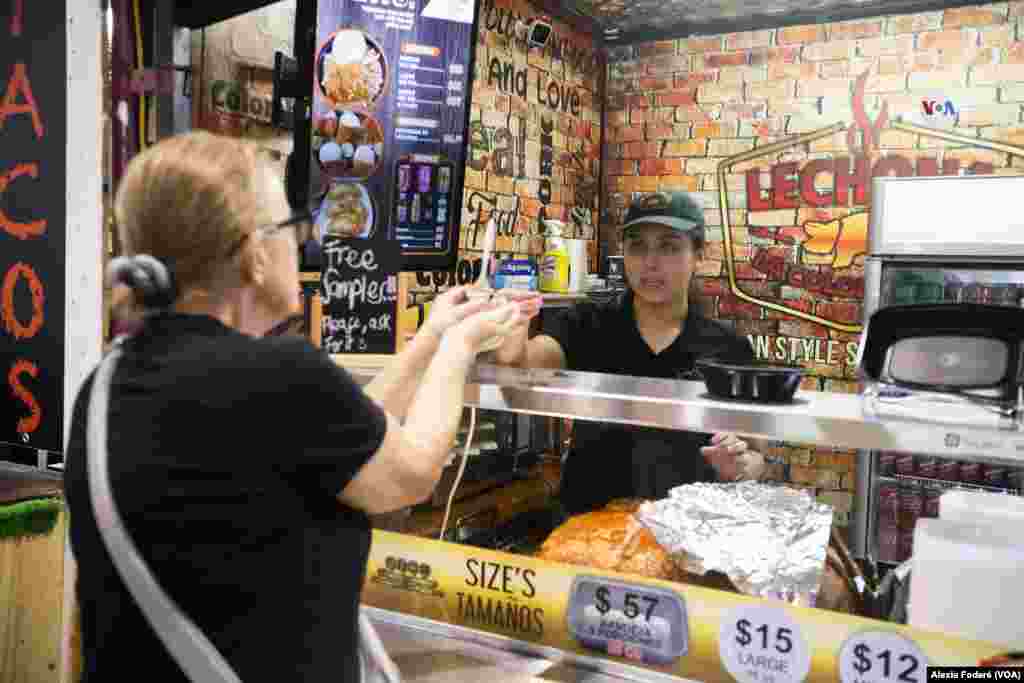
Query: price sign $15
point(780, 638)
point(632, 604)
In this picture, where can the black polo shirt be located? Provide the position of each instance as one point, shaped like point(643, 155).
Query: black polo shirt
point(609, 461)
point(226, 456)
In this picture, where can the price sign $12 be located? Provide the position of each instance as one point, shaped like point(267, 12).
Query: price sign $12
point(879, 656)
point(864, 662)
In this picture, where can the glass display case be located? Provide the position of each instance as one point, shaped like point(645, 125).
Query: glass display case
point(489, 589)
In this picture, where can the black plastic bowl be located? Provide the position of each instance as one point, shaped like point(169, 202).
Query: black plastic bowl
point(758, 381)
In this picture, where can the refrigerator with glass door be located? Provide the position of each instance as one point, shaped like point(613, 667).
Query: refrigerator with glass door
point(945, 239)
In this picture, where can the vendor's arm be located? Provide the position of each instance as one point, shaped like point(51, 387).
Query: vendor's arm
point(736, 458)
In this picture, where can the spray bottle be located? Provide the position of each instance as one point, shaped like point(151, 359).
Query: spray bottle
point(554, 264)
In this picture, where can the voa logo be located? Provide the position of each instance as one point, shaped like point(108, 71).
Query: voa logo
point(938, 108)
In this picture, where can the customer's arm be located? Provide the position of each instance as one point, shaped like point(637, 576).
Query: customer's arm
point(519, 350)
point(396, 385)
point(408, 464)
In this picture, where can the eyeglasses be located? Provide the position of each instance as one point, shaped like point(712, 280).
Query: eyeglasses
point(295, 222)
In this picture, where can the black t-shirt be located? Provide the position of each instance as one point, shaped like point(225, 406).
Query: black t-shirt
point(226, 455)
point(609, 461)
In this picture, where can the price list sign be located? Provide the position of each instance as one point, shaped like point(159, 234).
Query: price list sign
point(391, 94)
point(761, 644)
point(641, 623)
point(881, 657)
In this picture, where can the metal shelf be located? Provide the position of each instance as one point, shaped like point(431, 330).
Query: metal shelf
point(818, 418)
point(944, 485)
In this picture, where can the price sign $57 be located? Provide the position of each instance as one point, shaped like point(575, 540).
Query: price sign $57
point(632, 603)
point(765, 637)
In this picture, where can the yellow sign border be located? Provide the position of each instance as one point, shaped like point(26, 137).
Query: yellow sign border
point(824, 631)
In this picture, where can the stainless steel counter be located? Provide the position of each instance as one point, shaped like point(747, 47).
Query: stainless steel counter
point(432, 652)
point(819, 418)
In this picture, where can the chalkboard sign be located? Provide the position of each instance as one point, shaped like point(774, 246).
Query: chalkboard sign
point(360, 295)
point(33, 144)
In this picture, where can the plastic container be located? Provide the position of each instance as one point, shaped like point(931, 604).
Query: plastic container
point(963, 579)
point(981, 507)
point(516, 274)
point(757, 381)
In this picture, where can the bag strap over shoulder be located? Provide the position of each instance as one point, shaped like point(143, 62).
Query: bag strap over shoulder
point(193, 652)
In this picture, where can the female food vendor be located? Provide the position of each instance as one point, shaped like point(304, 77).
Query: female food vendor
point(653, 330)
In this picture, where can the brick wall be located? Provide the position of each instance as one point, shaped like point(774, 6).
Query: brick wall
point(797, 213)
point(535, 136)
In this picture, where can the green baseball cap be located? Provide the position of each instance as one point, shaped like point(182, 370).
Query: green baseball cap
point(676, 210)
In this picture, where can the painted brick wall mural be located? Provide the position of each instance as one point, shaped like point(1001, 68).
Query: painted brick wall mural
point(534, 139)
point(779, 133)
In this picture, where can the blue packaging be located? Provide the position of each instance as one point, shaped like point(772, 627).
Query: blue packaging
point(516, 274)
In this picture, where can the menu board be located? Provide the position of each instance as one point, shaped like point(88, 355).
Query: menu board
point(390, 120)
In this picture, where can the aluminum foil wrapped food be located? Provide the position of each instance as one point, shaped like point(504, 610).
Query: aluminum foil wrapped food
point(770, 541)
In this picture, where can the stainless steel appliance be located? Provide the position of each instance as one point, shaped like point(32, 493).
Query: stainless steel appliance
point(948, 239)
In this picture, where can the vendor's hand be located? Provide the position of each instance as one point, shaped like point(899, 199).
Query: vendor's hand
point(449, 309)
point(732, 458)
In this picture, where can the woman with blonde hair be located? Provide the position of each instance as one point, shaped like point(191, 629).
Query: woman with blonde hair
point(244, 467)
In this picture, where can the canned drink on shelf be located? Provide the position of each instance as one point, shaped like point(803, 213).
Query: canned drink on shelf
point(404, 177)
point(949, 470)
point(906, 545)
point(888, 502)
point(970, 473)
point(1006, 295)
point(424, 174)
point(911, 506)
point(905, 464)
point(886, 464)
point(888, 542)
point(416, 209)
point(444, 179)
point(954, 293)
point(994, 475)
point(403, 212)
point(927, 467)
